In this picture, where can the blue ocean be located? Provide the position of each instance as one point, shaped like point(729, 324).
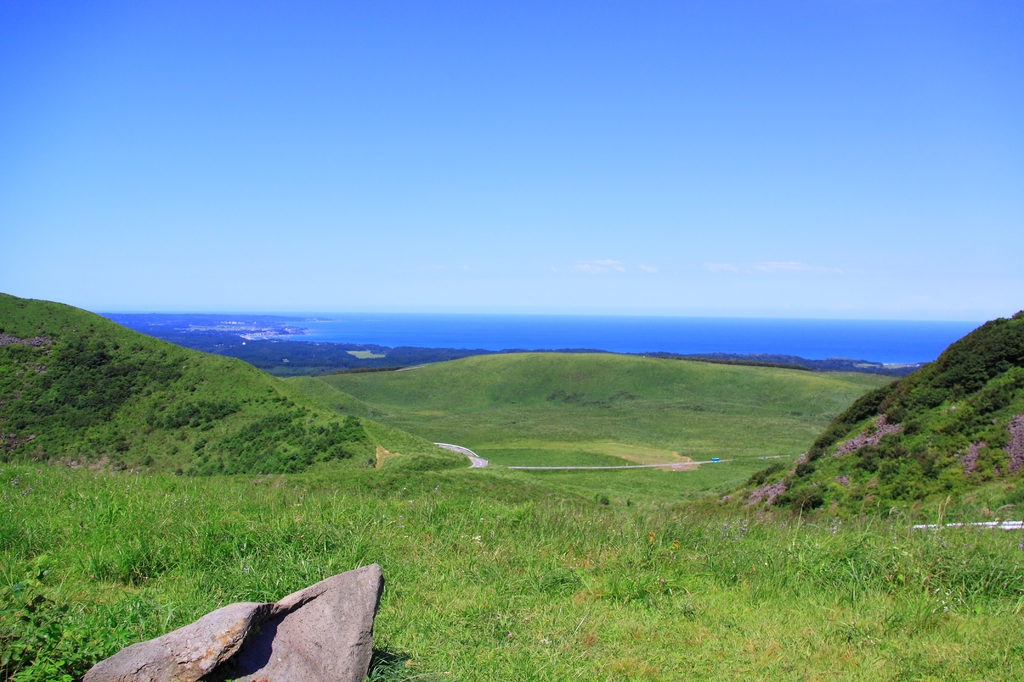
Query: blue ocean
point(892, 342)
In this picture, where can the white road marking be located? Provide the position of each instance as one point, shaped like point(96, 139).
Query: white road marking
point(1001, 525)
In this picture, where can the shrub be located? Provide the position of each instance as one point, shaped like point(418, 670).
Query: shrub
point(805, 469)
point(759, 477)
point(802, 499)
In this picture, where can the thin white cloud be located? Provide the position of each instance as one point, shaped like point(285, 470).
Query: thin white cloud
point(770, 267)
point(433, 267)
point(791, 266)
point(777, 266)
point(648, 268)
point(598, 267)
point(721, 267)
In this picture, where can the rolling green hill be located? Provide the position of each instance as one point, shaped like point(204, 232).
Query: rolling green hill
point(603, 409)
point(951, 427)
point(79, 388)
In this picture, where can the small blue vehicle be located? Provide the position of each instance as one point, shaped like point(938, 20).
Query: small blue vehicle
point(716, 459)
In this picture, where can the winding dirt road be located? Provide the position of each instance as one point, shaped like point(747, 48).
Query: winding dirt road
point(478, 462)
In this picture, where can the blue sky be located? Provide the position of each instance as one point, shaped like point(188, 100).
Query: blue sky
point(834, 159)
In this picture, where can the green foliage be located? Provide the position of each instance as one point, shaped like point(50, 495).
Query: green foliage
point(282, 443)
point(80, 382)
point(39, 636)
point(196, 415)
point(963, 369)
point(980, 356)
point(804, 469)
point(802, 499)
point(978, 410)
point(758, 478)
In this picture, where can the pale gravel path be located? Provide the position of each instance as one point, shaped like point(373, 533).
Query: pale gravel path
point(677, 466)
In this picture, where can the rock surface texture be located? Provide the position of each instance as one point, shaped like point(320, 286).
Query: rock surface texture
point(1015, 448)
point(767, 493)
point(322, 633)
point(870, 436)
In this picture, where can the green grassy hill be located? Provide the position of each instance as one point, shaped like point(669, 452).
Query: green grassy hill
point(77, 387)
point(957, 425)
point(603, 409)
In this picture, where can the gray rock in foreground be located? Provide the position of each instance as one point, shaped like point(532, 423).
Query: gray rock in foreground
point(322, 633)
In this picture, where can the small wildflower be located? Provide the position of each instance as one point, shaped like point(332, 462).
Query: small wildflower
point(510, 635)
point(650, 537)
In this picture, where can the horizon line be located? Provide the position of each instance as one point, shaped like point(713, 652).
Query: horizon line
point(324, 315)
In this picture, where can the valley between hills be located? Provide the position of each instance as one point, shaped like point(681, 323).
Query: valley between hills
point(145, 484)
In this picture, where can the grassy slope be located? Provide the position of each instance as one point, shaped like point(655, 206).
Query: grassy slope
point(492, 574)
point(608, 409)
point(968, 396)
point(490, 577)
point(100, 390)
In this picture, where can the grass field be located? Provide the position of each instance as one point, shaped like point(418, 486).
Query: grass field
point(601, 409)
point(495, 576)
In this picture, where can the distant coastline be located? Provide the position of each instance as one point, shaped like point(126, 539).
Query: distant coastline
point(315, 344)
